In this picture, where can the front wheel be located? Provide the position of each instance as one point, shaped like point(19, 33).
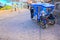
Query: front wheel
point(43, 26)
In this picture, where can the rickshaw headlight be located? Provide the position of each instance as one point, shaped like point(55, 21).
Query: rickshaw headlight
point(43, 13)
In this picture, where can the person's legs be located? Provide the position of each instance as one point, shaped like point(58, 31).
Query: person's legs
point(32, 12)
point(14, 9)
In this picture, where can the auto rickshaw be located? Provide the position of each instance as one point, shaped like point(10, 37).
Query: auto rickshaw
point(44, 13)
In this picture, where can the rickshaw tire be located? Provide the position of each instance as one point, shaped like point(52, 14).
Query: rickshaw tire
point(44, 27)
point(52, 23)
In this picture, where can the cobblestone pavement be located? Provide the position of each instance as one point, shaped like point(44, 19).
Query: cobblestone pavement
point(21, 27)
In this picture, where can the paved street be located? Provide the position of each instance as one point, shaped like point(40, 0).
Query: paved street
point(19, 26)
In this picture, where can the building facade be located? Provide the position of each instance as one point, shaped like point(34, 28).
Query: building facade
point(30, 1)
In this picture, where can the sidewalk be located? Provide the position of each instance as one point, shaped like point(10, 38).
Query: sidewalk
point(7, 13)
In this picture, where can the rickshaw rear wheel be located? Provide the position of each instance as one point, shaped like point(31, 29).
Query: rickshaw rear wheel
point(51, 22)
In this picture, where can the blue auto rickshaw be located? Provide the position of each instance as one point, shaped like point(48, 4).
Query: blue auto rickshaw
point(44, 13)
